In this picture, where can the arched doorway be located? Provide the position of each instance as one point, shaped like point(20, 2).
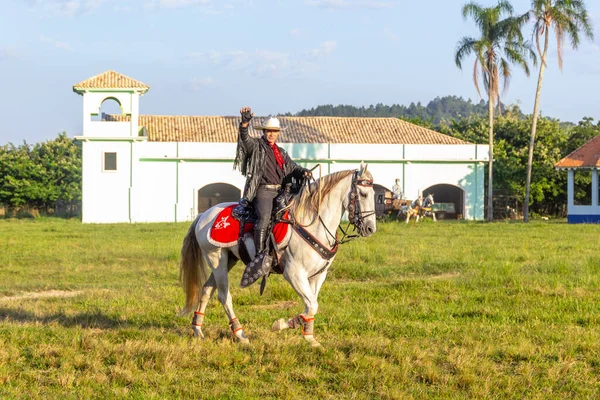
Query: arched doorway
point(382, 195)
point(449, 201)
point(216, 193)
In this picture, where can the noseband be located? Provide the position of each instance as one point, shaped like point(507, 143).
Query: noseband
point(355, 215)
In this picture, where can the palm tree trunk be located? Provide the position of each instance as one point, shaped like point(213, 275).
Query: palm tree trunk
point(490, 215)
point(536, 108)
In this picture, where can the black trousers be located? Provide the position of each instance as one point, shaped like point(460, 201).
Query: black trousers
point(263, 205)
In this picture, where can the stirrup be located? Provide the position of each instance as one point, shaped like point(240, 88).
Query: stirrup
point(257, 268)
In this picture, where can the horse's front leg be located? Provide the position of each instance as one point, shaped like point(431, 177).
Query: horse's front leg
point(306, 320)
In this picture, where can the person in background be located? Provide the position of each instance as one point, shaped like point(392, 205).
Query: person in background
point(397, 190)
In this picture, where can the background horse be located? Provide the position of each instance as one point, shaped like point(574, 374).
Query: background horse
point(414, 209)
point(204, 266)
point(427, 207)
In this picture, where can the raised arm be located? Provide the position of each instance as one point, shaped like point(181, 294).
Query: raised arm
point(247, 115)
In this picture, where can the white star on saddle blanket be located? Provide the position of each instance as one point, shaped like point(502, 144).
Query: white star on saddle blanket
point(222, 224)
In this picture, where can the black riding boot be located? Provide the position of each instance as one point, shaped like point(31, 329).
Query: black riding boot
point(261, 265)
point(260, 237)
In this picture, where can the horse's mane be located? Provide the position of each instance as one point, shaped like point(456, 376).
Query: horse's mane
point(307, 201)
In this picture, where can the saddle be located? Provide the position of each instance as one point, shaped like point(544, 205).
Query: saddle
point(245, 214)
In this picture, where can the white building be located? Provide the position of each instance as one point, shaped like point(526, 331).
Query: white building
point(144, 168)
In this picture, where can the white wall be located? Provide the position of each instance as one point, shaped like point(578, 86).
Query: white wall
point(105, 194)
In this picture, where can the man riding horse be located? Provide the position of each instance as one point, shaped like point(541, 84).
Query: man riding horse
point(265, 166)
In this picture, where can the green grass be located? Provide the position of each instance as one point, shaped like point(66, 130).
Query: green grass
point(445, 310)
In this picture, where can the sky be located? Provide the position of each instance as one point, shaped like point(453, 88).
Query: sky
point(211, 57)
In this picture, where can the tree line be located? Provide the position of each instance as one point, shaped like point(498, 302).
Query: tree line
point(435, 112)
point(40, 176)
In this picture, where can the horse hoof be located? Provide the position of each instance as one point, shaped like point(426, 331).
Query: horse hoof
point(279, 325)
point(312, 341)
point(197, 334)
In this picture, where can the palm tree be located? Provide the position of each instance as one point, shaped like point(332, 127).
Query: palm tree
point(500, 45)
point(566, 17)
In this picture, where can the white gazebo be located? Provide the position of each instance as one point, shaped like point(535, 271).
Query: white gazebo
point(587, 157)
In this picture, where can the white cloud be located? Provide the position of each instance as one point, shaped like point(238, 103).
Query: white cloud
point(341, 4)
point(174, 3)
point(181, 3)
point(388, 34)
point(56, 43)
point(295, 33)
point(325, 49)
point(9, 54)
point(67, 7)
point(268, 63)
point(199, 84)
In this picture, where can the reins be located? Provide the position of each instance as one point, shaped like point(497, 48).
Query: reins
point(356, 217)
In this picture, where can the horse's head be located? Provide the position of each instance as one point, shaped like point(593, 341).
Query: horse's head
point(361, 204)
point(428, 202)
point(418, 202)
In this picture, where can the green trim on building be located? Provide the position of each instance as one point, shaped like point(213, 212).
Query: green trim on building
point(314, 161)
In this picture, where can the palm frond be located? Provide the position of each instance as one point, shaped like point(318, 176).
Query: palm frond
point(465, 47)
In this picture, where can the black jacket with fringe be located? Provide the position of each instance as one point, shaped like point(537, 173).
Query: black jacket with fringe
point(251, 158)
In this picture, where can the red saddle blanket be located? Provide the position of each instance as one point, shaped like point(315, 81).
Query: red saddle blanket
point(225, 229)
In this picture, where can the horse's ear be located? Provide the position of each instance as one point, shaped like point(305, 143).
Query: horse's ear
point(363, 168)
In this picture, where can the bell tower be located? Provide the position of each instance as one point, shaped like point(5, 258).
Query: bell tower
point(110, 147)
point(111, 85)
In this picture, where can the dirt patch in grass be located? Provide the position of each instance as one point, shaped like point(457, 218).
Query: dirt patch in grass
point(41, 295)
point(277, 306)
point(448, 275)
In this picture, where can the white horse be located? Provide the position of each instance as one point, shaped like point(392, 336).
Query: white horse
point(305, 259)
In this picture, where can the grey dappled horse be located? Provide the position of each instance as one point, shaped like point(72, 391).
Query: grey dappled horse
point(421, 208)
point(317, 210)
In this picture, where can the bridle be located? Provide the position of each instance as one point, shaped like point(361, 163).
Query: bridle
point(355, 215)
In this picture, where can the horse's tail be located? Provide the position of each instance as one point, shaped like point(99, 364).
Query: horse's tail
point(192, 270)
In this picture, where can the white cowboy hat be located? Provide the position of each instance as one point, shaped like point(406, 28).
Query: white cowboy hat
point(270, 124)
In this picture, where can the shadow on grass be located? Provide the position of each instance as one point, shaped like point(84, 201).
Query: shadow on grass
point(88, 320)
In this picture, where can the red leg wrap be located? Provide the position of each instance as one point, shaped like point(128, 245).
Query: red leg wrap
point(300, 320)
point(198, 318)
point(235, 325)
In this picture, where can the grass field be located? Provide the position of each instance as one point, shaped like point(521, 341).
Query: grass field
point(445, 310)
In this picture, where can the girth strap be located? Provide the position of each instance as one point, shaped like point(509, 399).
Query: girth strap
point(323, 251)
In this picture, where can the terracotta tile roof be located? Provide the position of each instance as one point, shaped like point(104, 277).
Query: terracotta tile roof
point(110, 80)
point(299, 130)
point(587, 156)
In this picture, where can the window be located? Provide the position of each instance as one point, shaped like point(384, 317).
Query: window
point(583, 187)
point(110, 161)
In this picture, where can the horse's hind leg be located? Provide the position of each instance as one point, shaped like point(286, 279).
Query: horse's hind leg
point(306, 320)
point(221, 259)
point(207, 291)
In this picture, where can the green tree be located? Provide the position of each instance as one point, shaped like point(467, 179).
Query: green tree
point(566, 18)
point(39, 175)
point(500, 45)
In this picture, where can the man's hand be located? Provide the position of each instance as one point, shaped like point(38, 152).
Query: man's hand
point(307, 174)
point(247, 115)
